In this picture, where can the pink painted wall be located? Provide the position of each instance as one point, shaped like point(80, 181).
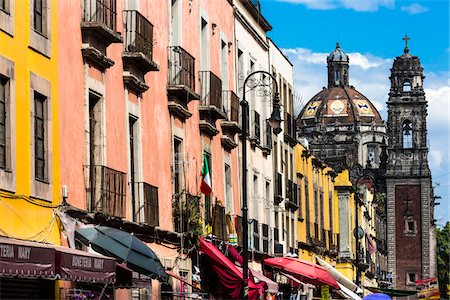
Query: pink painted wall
point(155, 118)
point(71, 100)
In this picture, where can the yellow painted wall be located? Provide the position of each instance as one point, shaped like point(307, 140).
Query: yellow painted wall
point(322, 179)
point(20, 218)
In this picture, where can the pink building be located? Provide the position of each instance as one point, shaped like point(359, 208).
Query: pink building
point(149, 88)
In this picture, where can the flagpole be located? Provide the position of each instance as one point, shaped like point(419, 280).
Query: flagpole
point(275, 120)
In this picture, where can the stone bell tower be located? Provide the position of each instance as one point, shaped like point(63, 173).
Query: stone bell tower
point(410, 220)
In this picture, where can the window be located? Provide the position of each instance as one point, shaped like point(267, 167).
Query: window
point(134, 164)
point(267, 202)
point(177, 165)
point(299, 197)
point(371, 154)
point(410, 226)
point(3, 5)
point(407, 134)
point(3, 123)
point(407, 86)
point(38, 18)
point(240, 71)
point(204, 44)
point(255, 197)
point(256, 126)
point(39, 137)
point(7, 16)
point(410, 278)
point(228, 190)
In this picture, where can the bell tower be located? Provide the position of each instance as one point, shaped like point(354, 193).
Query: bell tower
point(408, 178)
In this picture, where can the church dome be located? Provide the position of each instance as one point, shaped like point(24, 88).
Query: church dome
point(339, 105)
point(337, 54)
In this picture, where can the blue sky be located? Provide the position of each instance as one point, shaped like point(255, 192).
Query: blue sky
point(371, 32)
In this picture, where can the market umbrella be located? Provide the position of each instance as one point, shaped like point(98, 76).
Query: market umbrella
point(125, 247)
point(377, 296)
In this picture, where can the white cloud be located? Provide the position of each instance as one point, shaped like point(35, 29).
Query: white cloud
point(414, 9)
point(369, 74)
point(357, 5)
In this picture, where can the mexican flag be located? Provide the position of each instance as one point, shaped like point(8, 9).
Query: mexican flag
point(205, 186)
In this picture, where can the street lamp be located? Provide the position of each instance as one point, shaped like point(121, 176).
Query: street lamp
point(274, 121)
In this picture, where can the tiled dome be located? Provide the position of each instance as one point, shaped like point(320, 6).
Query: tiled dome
point(343, 105)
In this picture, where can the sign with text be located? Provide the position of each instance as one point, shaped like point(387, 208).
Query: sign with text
point(428, 288)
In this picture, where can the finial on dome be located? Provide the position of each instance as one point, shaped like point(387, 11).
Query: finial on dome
point(406, 39)
point(337, 45)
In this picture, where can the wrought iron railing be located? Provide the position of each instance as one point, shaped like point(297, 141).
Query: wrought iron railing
point(146, 204)
point(181, 68)
point(106, 190)
point(101, 11)
point(211, 89)
point(138, 33)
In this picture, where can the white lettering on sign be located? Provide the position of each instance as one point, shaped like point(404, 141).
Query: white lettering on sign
point(80, 261)
point(98, 263)
point(23, 252)
point(6, 251)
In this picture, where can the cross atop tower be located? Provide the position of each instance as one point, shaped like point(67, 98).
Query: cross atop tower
point(406, 39)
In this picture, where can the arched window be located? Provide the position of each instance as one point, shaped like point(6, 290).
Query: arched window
point(407, 86)
point(407, 134)
point(338, 76)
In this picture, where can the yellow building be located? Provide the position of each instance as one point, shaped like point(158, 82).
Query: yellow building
point(318, 224)
point(29, 162)
point(326, 217)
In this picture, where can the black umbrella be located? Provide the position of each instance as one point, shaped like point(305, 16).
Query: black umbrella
point(125, 247)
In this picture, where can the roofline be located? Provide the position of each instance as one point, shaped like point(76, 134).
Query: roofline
point(280, 51)
point(257, 15)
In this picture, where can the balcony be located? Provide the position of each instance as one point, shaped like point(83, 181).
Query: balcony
point(145, 204)
point(267, 140)
point(106, 190)
point(181, 81)
point(230, 126)
point(211, 103)
point(289, 132)
point(278, 197)
point(98, 29)
point(138, 50)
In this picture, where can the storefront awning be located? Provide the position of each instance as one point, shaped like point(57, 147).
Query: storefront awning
point(26, 259)
point(230, 276)
point(77, 265)
point(302, 270)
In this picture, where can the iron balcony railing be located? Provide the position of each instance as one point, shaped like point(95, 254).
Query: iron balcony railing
point(146, 204)
point(181, 68)
point(231, 106)
point(101, 11)
point(211, 89)
point(138, 33)
point(106, 190)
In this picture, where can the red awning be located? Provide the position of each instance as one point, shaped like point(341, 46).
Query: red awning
point(26, 259)
point(230, 276)
point(302, 270)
